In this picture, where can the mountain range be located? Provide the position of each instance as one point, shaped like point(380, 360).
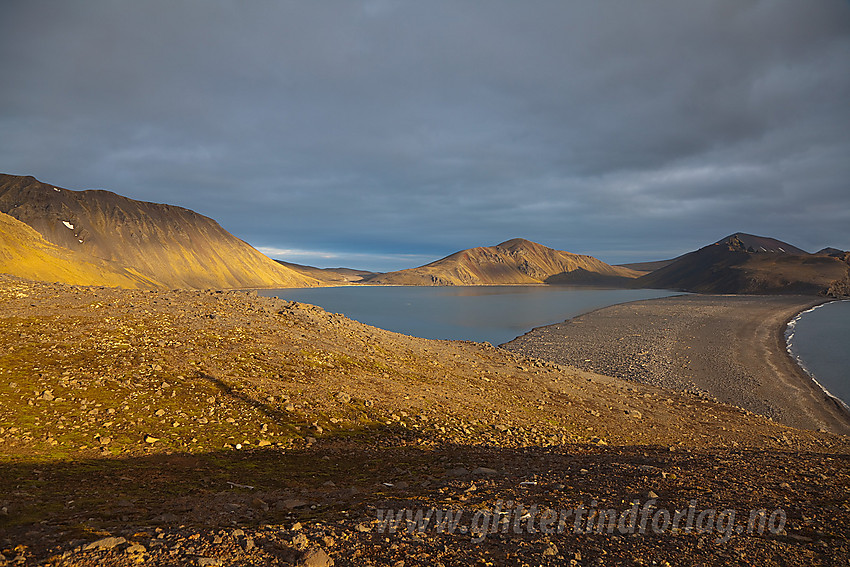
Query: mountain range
point(97, 237)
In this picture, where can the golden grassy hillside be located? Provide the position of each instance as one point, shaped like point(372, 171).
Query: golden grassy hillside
point(516, 261)
point(24, 253)
point(172, 245)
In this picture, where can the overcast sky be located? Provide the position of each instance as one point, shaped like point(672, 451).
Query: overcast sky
point(386, 134)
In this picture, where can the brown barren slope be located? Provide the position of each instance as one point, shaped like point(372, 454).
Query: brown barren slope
point(24, 253)
point(516, 261)
point(172, 245)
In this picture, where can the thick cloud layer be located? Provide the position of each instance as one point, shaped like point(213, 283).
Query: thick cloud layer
point(386, 134)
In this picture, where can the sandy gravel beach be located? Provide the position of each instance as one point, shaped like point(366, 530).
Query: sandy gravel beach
point(728, 347)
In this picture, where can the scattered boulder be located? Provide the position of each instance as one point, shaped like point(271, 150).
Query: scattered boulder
point(316, 557)
point(485, 471)
point(135, 549)
point(299, 541)
point(291, 503)
point(343, 398)
point(105, 543)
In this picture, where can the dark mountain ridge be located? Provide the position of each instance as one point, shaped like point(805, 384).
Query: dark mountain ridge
point(745, 263)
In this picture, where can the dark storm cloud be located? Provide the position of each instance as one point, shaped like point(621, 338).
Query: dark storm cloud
point(389, 133)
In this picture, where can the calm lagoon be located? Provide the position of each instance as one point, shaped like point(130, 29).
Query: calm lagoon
point(494, 314)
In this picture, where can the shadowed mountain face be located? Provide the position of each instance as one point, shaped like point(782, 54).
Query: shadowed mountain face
point(743, 263)
point(834, 252)
point(174, 246)
point(648, 266)
point(516, 261)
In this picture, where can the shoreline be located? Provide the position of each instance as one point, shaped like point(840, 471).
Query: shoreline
point(788, 334)
point(832, 403)
point(802, 372)
point(729, 347)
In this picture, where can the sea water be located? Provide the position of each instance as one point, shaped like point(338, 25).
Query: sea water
point(494, 314)
point(819, 339)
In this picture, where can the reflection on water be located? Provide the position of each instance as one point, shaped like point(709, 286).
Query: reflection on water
point(495, 314)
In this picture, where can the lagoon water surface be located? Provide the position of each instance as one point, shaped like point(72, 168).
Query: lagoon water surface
point(494, 314)
point(820, 341)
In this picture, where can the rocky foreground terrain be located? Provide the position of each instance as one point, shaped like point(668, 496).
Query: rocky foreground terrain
point(220, 428)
